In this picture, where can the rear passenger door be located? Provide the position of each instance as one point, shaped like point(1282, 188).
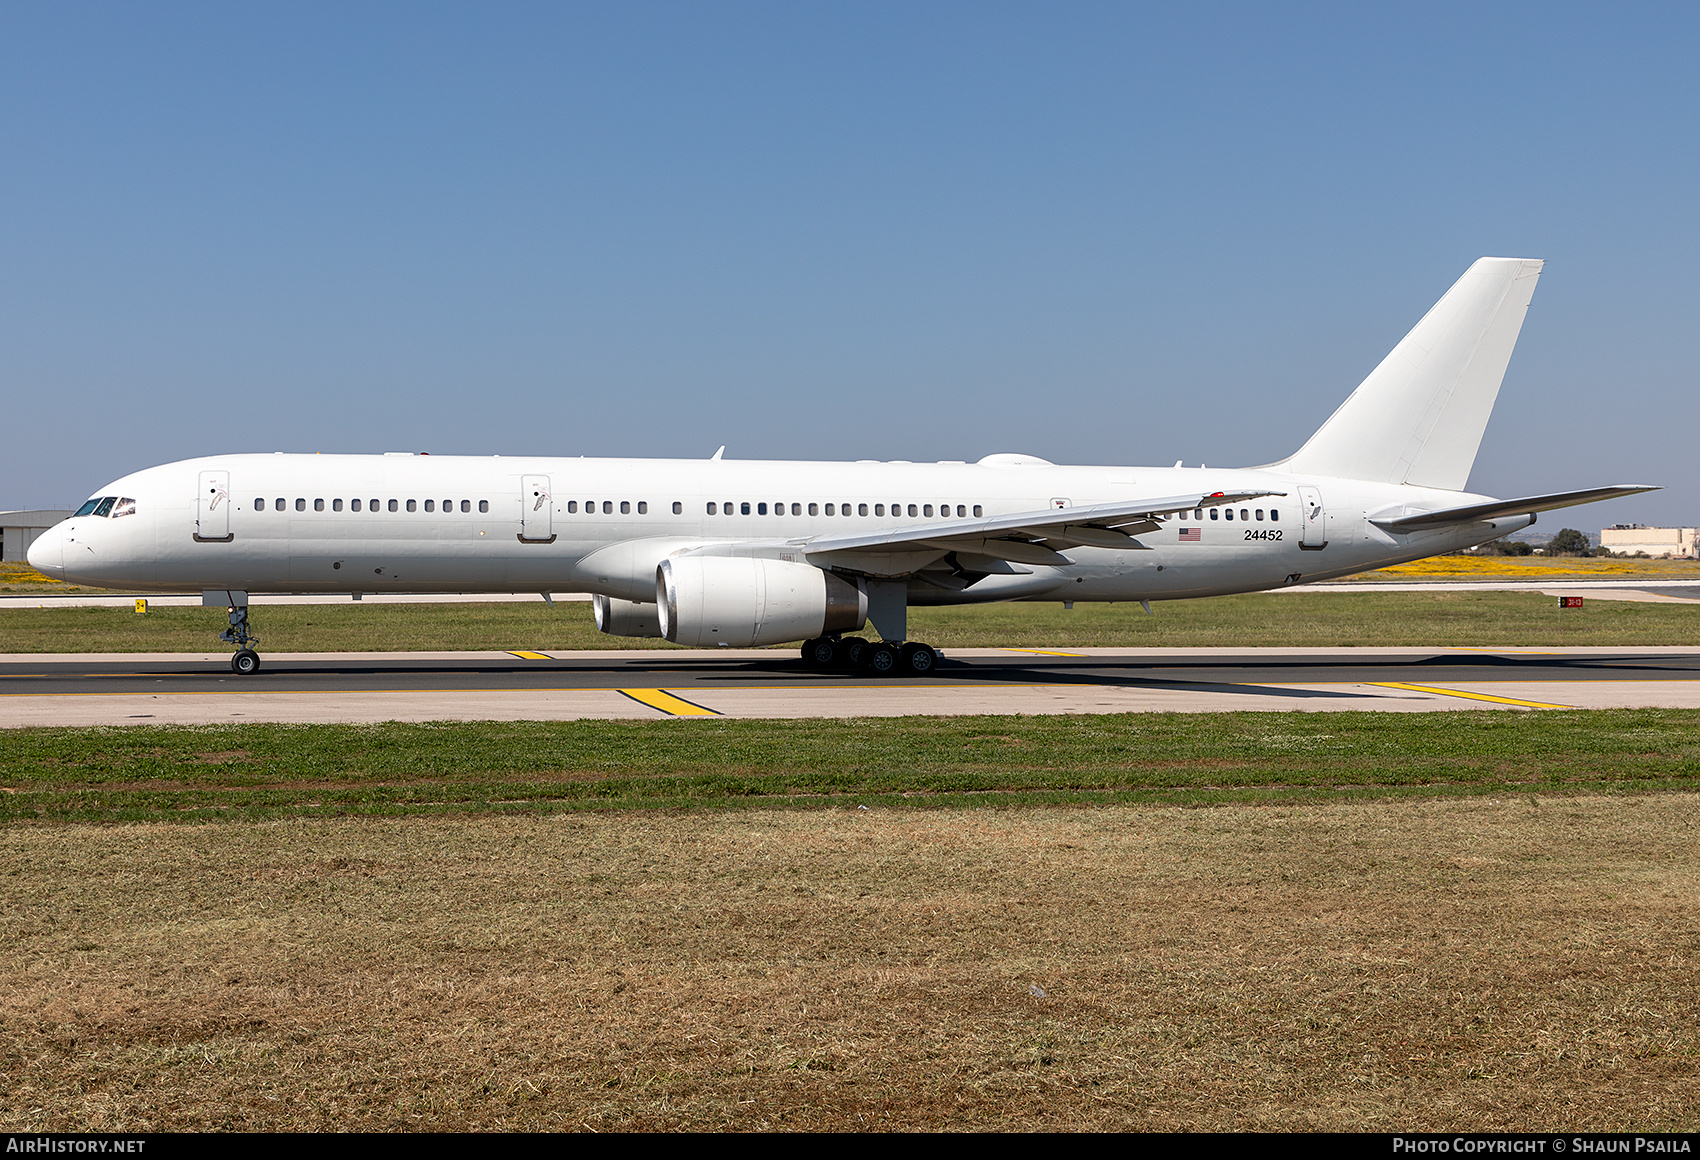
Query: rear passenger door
point(1313, 536)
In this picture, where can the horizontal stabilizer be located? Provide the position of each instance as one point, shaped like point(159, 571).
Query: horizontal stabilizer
point(1494, 509)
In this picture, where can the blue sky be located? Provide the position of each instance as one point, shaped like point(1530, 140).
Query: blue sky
point(1098, 233)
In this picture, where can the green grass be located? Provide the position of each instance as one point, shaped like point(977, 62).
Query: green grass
point(252, 772)
point(1439, 618)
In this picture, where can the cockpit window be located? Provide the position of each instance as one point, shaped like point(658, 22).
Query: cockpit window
point(126, 507)
point(104, 507)
point(87, 509)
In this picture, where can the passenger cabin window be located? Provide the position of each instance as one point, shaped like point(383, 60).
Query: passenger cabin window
point(353, 505)
point(430, 505)
point(281, 505)
point(259, 506)
point(912, 510)
point(879, 509)
point(978, 511)
point(395, 505)
point(744, 508)
point(713, 508)
point(861, 509)
point(318, 505)
point(483, 505)
point(678, 508)
point(814, 509)
point(373, 505)
point(1215, 513)
point(829, 510)
point(643, 507)
point(1199, 514)
point(336, 505)
point(1275, 514)
point(465, 505)
point(412, 506)
point(1259, 513)
point(572, 507)
point(1244, 515)
point(625, 507)
point(761, 509)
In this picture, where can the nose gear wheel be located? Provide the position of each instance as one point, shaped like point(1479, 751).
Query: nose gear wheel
point(246, 662)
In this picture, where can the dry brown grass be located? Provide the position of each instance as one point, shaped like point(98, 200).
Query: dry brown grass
point(1397, 965)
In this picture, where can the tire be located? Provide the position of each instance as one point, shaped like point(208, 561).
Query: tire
point(853, 650)
point(917, 660)
point(245, 663)
point(821, 653)
point(880, 660)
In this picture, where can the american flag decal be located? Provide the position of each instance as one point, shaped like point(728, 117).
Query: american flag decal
point(1192, 535)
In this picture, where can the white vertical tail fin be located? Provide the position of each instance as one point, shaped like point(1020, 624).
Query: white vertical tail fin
point(1419, 416)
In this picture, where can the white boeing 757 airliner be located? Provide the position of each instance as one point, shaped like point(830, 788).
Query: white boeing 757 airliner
point(723, 553)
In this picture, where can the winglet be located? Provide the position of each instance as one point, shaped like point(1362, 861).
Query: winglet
point(715, 458)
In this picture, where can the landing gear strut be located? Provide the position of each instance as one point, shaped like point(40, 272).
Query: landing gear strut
point(246, 662)
point(888, 612)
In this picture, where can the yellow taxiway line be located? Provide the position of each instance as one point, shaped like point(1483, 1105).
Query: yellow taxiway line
point(1467, 696)
point(667, 703)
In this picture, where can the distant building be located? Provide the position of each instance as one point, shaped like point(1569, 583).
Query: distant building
point(18, 531)
point(1678, 543)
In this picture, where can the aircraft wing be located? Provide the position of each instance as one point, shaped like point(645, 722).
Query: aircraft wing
point(1033, 537)
point(1507, 507)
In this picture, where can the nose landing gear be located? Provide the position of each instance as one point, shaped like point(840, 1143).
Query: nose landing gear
point(246, 662)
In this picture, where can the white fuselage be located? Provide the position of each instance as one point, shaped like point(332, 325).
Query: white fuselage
point(288, 523)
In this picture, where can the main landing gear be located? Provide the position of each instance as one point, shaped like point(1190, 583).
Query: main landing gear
point(246, 662)
point(876, 658)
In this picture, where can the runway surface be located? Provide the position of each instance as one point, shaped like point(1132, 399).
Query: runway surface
point(130, 689)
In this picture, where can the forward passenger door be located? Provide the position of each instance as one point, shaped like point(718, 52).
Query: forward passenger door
point(212, 508)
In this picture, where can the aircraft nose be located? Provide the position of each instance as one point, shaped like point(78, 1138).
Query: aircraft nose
point(47, 553)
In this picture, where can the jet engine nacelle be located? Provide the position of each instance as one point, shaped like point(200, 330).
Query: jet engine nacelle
point(718, 600)
point(625, 617)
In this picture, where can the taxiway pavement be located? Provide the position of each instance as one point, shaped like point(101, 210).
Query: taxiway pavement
point(131, 689)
